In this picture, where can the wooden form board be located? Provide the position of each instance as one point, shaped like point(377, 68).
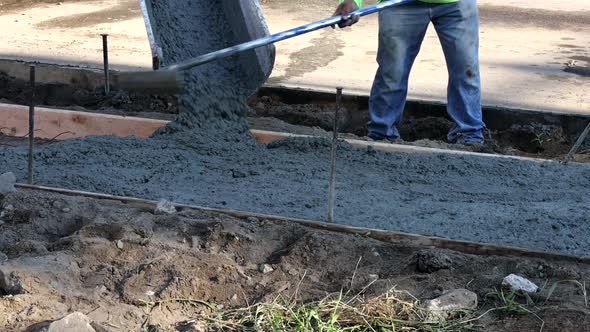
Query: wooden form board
point(399, 238)
point(65, 124)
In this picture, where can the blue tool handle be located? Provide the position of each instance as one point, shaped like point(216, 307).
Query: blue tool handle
point(226, 52)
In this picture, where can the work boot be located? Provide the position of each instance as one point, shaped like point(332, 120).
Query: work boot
point(467, 141)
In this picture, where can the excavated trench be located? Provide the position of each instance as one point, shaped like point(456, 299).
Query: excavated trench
point(422, 125)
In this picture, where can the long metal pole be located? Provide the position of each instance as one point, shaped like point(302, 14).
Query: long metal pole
point(105, 56)
point(331, 189)
point(226, 52)
point(31, 123)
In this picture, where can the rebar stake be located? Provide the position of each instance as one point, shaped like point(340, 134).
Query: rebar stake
point(331, 196)
point(31, 123)
point(577, 145)
point(105, 56)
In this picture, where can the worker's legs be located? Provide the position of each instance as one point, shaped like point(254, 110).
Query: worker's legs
point(401, 31)
point(457, 26)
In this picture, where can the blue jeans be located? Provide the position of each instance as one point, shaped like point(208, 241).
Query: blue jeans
point(401, 32)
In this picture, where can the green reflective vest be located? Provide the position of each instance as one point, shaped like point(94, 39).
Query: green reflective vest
point(360, 2)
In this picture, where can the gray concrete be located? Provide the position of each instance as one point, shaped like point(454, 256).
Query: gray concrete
point(509, 202)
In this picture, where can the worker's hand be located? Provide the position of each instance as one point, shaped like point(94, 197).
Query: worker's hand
point(345, 8)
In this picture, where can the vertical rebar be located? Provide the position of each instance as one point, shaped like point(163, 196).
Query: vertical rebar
point(31, 123)
point(105, 56)
point(331, 189)
point(577, 145)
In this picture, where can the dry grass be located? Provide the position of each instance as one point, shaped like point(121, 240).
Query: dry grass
point(394, 311)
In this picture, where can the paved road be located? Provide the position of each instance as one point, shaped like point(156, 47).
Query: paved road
point(525, 45)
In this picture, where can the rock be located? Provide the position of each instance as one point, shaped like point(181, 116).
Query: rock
point(289, 269)
point(428, 261)
point(10, 283)
point(519, 284)
point(196, 327)
point(7, 182)
point(98, 328)
point(165, 207)
point(74, 322)
point(265, 268)
point(238, 174)
point(120, 244)
point(259, 106)
point(252, 220)
point(16, 216)
point(6, 213)
point(28, 248)
point(450, 304)
point(375, 253)
point(21, 216)
point(195, 242)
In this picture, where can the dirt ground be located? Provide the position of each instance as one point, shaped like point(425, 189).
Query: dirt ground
point(109, 260)
point(67, 96)
point(532, 140)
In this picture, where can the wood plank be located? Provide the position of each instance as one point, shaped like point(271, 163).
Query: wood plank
point(397, 238)
point(65, 124)
point(265, 136)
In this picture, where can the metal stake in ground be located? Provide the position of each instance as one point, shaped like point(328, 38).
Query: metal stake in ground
point(105, 56)
point(331, 196)
point(31, 124)
point(577, 145)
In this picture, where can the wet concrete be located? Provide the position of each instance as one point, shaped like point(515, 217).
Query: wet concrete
point(519, 203)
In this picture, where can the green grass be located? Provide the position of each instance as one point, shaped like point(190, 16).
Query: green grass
point(510, 302)
point(393, 311)
point(581, 285)
point(396, 310)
